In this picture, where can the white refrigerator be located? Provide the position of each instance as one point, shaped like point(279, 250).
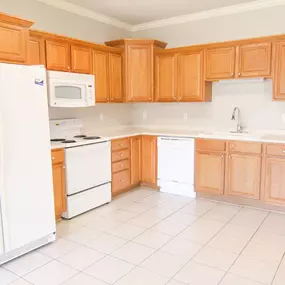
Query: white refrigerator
point(27, 219)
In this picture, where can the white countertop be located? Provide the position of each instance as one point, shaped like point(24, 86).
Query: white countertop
point(257, 136)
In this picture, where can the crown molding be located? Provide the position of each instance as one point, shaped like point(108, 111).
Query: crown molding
point(78, 10)
point(234, 9)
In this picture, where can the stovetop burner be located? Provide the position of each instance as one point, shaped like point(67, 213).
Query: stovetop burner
point(92, 138)
point(69, 141)
point(80, 136)
point(57, 140)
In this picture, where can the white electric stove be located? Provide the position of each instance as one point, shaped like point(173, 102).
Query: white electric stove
point(88, 166)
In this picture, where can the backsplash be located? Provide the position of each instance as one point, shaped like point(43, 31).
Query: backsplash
point(97, 117)
point(253, 97)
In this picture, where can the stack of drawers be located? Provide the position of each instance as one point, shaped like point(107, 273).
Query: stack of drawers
point(120, 166)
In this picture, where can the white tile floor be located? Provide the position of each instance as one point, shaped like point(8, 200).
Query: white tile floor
point(150, 238)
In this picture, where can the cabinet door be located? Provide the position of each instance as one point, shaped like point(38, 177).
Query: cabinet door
point(58, 55)
point(139, 73)
point(190, 77)
point(100, 70)
point(254, 60)
point(59, 189)
point(243, 174)
point(209, 172)
point(136, 148)
point(220, 63)
point(279, 75)
point(13, 43)
point(274, 183)
point(36, 51)
point(81, 59)
point(149, 160)
point(165, 77)
point(115, 77)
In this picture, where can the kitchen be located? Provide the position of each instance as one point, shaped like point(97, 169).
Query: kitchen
point(193, 134)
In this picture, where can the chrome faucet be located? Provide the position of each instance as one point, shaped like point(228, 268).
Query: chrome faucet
point(239, 125)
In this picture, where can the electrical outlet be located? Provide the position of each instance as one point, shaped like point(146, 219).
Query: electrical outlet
point(144, 115)
point(185, 116)
point(101, 117)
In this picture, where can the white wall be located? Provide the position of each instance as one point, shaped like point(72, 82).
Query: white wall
point(50, 19)
point(254, 99)
point(263, 22)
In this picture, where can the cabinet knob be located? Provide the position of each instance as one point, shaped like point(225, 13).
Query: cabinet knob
point(239, 74)
point(232, 74)
point(222, 155)
point(230, 156)
point(121, 165)
point(149, 98)
point(121, 155)
point(63, 167)
point(53, 158)
point(283, 150)
point(68, 67)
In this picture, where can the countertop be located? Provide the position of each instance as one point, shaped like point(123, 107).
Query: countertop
point(277, 136)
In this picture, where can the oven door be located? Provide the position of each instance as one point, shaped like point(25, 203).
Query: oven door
point(87, 166)
point(67, 94)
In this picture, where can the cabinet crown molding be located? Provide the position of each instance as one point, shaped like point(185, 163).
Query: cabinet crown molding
point(124, 42)
point(4, 18)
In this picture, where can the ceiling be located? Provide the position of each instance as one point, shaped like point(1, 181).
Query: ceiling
point(141, 11)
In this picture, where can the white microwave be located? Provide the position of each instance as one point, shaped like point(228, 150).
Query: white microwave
point(67, 89)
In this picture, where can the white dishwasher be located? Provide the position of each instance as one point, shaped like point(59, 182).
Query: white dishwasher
point(176, 165)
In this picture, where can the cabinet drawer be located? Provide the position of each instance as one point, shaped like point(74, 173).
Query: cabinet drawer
point(57, 156)
point(120, 144)
point(120, 181)
point(205, 144)
point(120, 155)
point(121, 165)
point(275, 149)
point(245, 147)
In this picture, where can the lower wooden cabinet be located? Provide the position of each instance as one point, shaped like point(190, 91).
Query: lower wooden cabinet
point(120, 182)
point(209, 172)
point(58, 171)
point(136, 148)
point(149, 161)
point(243, 175)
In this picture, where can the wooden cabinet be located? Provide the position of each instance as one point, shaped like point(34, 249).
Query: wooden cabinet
point(279, 74)
point(149, 161)
point(81, 59)
point(254, 60)
point(274, 182)
point(138, 68)
point(121, 173)
point(191, 84)
point(220, 63)
point(36, 50)
point(14, 39)
point(58, 170)
point(136, 151)
point(166, 77)
point(58, 55)
point(107, 68)
point(243, 175)
point(210, 166)
point(115, 77)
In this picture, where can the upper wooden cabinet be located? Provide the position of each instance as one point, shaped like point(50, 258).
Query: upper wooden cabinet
point(107, 68)
point(166, 77)
point(81, 59)
point(220, 63)
point(14, 39)
point(36, 50)
point(149, 160)
point(138, 68)
point(115, 77)
point(279, 74)
point(62, 55)
point(58, 55)
point(254, 60)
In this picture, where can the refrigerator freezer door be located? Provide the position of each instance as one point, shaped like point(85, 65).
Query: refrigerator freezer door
point(26, 190)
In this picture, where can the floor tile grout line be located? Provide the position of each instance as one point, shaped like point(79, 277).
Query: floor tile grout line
point(283, 258)
point(245, 247)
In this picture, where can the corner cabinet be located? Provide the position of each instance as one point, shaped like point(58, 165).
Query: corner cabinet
point(58, 171)
point(138, 68)
point(149, 161)
point(14, 39)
